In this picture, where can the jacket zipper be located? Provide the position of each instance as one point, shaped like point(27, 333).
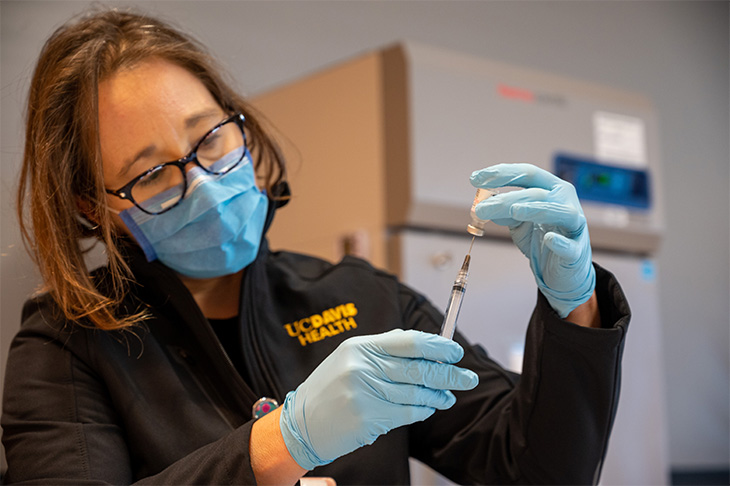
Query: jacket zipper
point(190, 314)
point(205, 331)
point(186, 362)
point(266, 375)
point(232, 371)
point(247, 299)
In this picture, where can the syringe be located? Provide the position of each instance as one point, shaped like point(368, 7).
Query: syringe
point(457, 295)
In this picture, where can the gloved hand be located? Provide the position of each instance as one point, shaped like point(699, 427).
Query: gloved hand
point(368, 386)
point(548, 225)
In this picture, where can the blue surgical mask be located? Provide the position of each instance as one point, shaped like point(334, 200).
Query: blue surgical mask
point(216, 230)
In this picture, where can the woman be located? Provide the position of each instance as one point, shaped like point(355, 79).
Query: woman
point(152, 368)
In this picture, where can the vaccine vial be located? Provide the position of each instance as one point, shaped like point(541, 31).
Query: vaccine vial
point(476, 227)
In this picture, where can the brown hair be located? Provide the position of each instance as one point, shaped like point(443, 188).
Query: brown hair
point(62, 169)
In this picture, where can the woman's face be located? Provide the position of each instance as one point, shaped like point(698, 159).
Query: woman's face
point(152, 113)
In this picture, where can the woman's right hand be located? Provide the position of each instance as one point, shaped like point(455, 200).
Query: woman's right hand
point(368, 386)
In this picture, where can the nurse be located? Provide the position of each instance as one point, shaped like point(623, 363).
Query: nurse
point(151, 367)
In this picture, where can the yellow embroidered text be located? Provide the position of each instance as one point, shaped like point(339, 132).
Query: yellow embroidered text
point(328, 323)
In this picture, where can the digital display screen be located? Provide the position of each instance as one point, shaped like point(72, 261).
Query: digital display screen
point(604, 183)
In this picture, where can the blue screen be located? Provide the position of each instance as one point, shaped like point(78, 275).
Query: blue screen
point(599, 182)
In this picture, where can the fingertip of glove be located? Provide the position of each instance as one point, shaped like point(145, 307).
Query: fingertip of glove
point(464, 379)
point(555, 241)
point(455, 351)
point(479, 176)
point(438, 348)
point(449, 400)
point(441, 400)
point(482, 209)
point(473, 380)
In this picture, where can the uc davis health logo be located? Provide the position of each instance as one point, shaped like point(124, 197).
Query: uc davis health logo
point(329, 322)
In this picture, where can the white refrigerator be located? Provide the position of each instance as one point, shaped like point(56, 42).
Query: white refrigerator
point(380, 148)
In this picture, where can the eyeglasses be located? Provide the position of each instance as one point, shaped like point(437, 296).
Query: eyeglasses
point(162, 187)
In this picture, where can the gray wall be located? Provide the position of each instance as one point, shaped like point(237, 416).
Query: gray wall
point(674, 52)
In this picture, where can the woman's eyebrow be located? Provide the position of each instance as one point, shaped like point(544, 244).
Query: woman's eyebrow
point(190, 122)
point(145, 152)
point(194, 119)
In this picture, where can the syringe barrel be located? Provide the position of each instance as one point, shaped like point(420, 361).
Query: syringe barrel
point(448, 327)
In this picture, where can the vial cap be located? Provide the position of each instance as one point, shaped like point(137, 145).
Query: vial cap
point(473, 230)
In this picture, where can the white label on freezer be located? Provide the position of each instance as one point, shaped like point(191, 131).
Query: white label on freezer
point(617, 217)
point(619, 138)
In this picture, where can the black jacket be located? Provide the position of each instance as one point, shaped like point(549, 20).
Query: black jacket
point(166, 405)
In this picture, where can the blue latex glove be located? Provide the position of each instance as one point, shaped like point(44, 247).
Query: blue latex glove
point(548, 225)
point(368, 386)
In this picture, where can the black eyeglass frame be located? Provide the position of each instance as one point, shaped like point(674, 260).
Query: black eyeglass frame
point(125, 192)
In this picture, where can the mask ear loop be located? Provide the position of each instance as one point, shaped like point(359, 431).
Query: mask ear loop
point(87, 223)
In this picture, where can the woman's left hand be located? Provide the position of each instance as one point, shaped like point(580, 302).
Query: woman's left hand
point(547, 223)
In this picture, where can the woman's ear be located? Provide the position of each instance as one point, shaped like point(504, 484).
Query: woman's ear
point(87, 213)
